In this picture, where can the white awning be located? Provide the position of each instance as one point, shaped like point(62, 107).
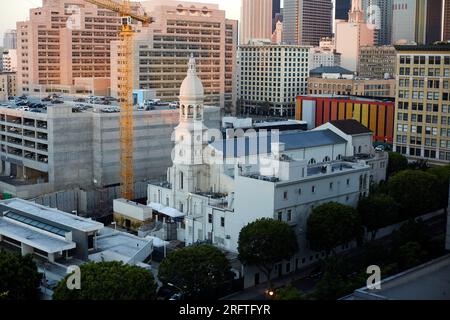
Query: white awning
point(168, 211)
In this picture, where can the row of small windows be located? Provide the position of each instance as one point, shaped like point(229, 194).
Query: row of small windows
point(432, 60)
point(313, 189)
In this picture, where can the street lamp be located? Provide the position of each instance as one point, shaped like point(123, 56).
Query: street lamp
point(176, 287)
point(115, 225)
point(75, 212)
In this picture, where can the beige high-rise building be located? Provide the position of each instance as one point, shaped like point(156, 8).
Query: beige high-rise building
point(162, 50)
point(422, 111)
point(256, 20)
point(63, 43)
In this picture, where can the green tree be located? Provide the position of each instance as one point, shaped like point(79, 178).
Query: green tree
point(377, 211)
point(397, 163)
point(332, 224)
point(442, 174)
point(414, 191)
point(411, 231)
point(109, 281)
point(289, 292)
point(410, 255)
point(198, 270)
point(265, 242)
point(19, 277)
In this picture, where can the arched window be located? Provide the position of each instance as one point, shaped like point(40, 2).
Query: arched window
point(190, 111)
point(326, 159)
point(183, 109)
point(312, 161)
point(359, 149)
point(339, 157)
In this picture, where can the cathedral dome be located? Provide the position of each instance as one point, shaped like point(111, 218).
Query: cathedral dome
point(192, 87)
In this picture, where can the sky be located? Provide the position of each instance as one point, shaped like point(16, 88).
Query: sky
point(18, 10)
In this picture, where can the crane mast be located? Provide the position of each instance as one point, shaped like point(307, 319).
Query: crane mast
point(125, 90)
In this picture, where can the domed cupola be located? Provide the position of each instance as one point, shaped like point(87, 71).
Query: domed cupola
point(192, 94)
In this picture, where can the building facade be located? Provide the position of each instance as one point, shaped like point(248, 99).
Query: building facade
point(162, 50)
point(305, 22)
point(377, 62)
point(10, 40)
point(60, 150)
point(270, 77)
point(422, 128)
point(418, 21)
point(355, 87)
point(377, 115)
point(351, 35)
point(8, 85)
point(257, 18)
point(64, 41)
point(379, 13)
point(341, 9)
point(446, 29)
point(9, 60)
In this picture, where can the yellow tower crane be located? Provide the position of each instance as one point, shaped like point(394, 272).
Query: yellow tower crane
point(125, 74)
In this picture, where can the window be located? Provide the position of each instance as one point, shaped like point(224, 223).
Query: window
point(181, 180)
point(313, 189)
point(289, 215)
point(348, 182)
point(210, 218)
point(280, 216)
point(285, 195)
point(331, 185)
point(222, 222)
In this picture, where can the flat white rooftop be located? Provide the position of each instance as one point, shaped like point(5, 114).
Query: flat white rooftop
point(118, 246)
point(50, 214)
point(35, 239)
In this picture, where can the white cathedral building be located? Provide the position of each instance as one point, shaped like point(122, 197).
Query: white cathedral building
point(215, 187)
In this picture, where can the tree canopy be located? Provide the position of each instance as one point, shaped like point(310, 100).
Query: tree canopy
point(415, 191)
point(19, 277)
point(332, 224)
point(109, 281)
point(198, 270)
point(397, 162)
point(377, 211)
point(265, 242)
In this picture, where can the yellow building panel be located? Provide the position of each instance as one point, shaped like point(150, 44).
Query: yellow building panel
point(341, 110)
point(365, 114)
point(349, 111)
point(373, 119)
point(357, 112)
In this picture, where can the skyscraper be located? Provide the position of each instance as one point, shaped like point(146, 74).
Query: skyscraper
point(256, 19)
point(276, 12)
point(305, 22)
point(351, 35)
point(10, 40)
point(162, 50)
point(65, 42)
point(446, 33)
point(342, 7)
point(379, 12)
point(417, 21)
